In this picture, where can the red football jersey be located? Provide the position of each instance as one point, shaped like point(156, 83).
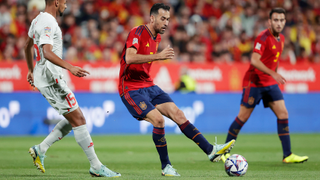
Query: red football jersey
point(270, 49)
point(136, 76)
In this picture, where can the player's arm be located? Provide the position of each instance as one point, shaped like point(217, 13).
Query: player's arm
point(28, 50)
point(256, 62)
point(133, 58)
point(52, 57)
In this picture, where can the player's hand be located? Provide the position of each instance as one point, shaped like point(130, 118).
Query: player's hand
point(30, 79)
point(167, 53)
point(279, 78)
point(78, 71)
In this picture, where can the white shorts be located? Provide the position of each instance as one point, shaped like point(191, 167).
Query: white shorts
point(60, 97)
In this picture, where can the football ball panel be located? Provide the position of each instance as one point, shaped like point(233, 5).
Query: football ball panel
point(236, 165)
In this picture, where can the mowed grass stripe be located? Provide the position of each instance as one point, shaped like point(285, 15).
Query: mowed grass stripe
point(135, 157)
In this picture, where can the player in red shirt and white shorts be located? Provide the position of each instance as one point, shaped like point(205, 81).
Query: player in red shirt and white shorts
point(261, 82)
point(146, 101)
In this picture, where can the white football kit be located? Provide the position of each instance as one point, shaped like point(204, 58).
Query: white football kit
point(47, 76)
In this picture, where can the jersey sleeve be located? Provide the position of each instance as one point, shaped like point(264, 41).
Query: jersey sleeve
point(259, 45)
point(46, 33)
point(134, 38)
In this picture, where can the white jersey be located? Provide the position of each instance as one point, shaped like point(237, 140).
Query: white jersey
point(44, 29)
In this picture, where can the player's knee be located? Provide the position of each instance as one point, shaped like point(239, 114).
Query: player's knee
point(283, 115)
point(76, 119)
point(158, 122)
point(244, 117)
point(180, 115)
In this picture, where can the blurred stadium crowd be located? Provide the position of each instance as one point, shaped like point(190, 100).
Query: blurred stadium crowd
point(200, 31)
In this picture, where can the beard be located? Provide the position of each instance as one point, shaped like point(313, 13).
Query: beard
point(158, 30)
point(60, 13)
point(276, 30)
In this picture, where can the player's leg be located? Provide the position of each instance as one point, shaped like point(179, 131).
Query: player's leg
point(140, 108)
point(251, 96)
point(167, 108)
point(170, 110)
point(280, 110)
point(158, 136)
point(84, 139)
point(62, 99)
point(38, 151)
point(214, 153)
point(61, 129)
point(239, 121)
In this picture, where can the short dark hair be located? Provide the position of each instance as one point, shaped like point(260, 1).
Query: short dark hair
point(155, 8)
point(277, 10)
point(49, 1)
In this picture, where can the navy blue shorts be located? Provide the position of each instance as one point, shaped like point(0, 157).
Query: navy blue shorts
point(140, 102)
point(251, 96)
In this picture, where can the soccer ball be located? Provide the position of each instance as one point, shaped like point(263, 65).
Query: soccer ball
point(236, 165)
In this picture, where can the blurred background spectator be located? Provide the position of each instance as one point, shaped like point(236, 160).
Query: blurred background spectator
point(202, 31)
point(186, 83)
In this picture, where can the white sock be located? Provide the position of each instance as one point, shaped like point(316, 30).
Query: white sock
point(59, 131)
point(83, 138)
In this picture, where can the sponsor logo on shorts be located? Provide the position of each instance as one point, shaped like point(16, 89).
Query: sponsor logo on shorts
point(143, 105)
point(251, 100)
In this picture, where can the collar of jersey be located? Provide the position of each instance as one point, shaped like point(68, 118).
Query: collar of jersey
point(150, 33)
point(278, 39)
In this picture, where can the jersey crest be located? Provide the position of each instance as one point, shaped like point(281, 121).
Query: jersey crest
point(47, 30)
point(251, 100)
point(143, 105)
point(258, 46)
point(135, 41)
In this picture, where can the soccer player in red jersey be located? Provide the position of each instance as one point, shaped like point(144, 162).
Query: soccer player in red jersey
point(261, 82)
point(145, 100)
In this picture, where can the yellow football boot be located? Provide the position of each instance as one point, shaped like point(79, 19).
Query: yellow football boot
point(292, 158)
point(225, 157)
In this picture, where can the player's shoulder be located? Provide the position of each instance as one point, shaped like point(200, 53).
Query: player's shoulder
point(263, 35)
point(137, 30)
point(46, 19)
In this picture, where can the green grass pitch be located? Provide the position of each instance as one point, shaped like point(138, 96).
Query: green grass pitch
point(135, 157)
